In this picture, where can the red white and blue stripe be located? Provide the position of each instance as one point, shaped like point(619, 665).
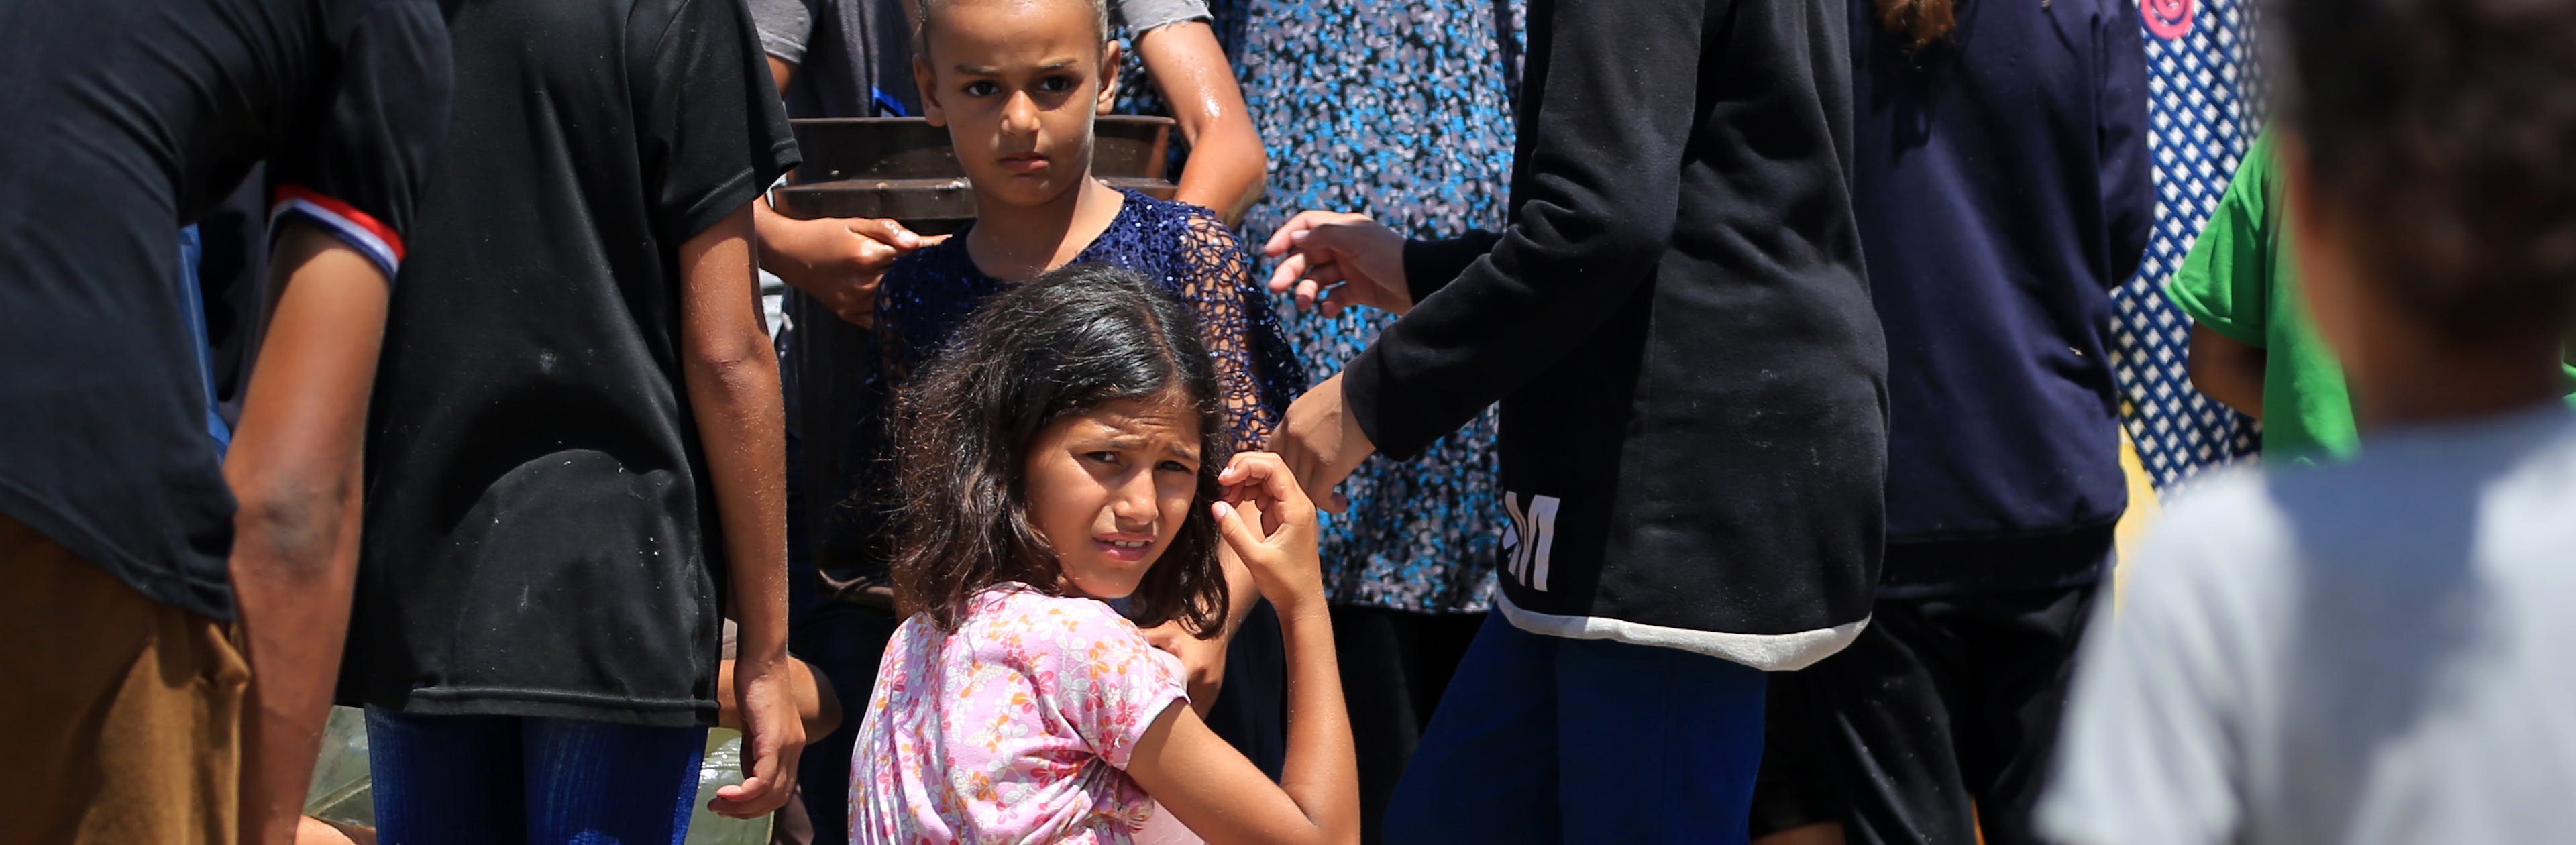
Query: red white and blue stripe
point(371, 237)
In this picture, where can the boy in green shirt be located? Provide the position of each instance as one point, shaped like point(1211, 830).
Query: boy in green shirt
point(2254, 347)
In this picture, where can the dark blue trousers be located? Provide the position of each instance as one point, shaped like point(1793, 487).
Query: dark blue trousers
point(1545, 740)
point(491, 780)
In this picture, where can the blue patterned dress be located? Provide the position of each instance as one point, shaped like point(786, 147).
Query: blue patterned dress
point(1401, 109)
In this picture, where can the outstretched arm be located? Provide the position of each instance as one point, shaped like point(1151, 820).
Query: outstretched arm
point(1596, 198)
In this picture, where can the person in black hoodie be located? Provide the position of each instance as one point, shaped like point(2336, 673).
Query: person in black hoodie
point(1694, 415)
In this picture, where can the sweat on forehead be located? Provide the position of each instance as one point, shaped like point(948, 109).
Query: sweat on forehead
point(927, 16)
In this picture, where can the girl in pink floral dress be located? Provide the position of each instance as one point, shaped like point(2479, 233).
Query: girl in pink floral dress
point(1062, 455)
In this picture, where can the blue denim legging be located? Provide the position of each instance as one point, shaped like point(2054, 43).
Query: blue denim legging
point(485, 780)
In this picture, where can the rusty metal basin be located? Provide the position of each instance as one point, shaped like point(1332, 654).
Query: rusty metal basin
point(904, 168)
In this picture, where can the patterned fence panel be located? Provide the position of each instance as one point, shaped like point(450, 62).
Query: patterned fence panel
point(2205, 105)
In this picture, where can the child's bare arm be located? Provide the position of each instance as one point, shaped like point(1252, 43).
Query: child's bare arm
point(732, 380)
point(295, 468)
point(1227, 166)
point(2227, 370)
point(816, 706)
point(1207, 784)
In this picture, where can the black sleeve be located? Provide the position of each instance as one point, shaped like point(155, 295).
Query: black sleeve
point(356, 166)
point(1594, 204)
point(711, 131)
point(1432, 265)
point(2128, 180)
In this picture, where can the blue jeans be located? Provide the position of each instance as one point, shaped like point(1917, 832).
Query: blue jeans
point(488, 780)
point(1545, 739)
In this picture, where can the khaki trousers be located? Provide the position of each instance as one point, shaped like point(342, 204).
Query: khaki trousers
point(120, 717)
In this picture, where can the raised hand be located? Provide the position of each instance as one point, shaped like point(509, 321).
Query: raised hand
point(1335, 259)
point(1270, 524)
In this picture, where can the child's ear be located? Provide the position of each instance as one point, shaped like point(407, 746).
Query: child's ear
point(1109, 57)
point(928, 82)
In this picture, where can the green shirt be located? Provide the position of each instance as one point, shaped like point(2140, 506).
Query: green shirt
point(2239, 282)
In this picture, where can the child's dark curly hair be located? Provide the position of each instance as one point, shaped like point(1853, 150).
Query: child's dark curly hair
point(1067, 342)
point(2443, 133)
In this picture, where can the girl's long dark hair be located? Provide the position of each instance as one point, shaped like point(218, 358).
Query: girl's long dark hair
point(1067, 342)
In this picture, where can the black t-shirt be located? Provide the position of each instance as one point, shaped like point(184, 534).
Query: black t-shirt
point(127, 119)
point(541, 539)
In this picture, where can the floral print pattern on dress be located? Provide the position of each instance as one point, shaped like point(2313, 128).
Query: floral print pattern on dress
point(1401, 109)
point(1014, 728)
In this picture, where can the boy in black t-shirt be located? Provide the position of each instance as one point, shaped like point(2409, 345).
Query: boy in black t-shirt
point(139, 710)
point(573, 465)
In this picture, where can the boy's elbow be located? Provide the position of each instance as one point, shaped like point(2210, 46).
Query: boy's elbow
point(286, 527)
point(733, 369)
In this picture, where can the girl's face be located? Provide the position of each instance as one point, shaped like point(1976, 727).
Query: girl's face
point(1110, 487)
point(1017, 83)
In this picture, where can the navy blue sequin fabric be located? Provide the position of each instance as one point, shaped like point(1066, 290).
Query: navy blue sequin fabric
point(1184, 248)
point(1401, 109)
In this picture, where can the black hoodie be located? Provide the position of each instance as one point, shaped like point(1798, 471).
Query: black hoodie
point(1677, 325)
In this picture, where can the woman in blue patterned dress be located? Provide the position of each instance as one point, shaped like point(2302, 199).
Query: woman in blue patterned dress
point(1401, 109)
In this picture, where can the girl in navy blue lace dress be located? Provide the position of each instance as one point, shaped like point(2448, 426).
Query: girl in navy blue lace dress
point(1017, 88)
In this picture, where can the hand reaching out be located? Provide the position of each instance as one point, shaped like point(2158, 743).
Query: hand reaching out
point(1322, 443)
point(1334, 260)
point(836, 261)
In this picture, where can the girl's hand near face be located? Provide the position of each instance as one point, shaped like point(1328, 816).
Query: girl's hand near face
point(1206, 784)
point(1266, 517)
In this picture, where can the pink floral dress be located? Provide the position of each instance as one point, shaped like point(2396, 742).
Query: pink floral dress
point(1015, 728)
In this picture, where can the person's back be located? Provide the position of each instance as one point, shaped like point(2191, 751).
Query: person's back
point(2373, 652)
point(530, 425)
point(2384, 641)
point(146, 577)
point(573, 450)
point(120, 139)
point(2002, 187)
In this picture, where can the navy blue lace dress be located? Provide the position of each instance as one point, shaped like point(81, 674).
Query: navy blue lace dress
point(1184, 248)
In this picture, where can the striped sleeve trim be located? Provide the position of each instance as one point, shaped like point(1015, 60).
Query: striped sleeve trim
point(371, 237)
